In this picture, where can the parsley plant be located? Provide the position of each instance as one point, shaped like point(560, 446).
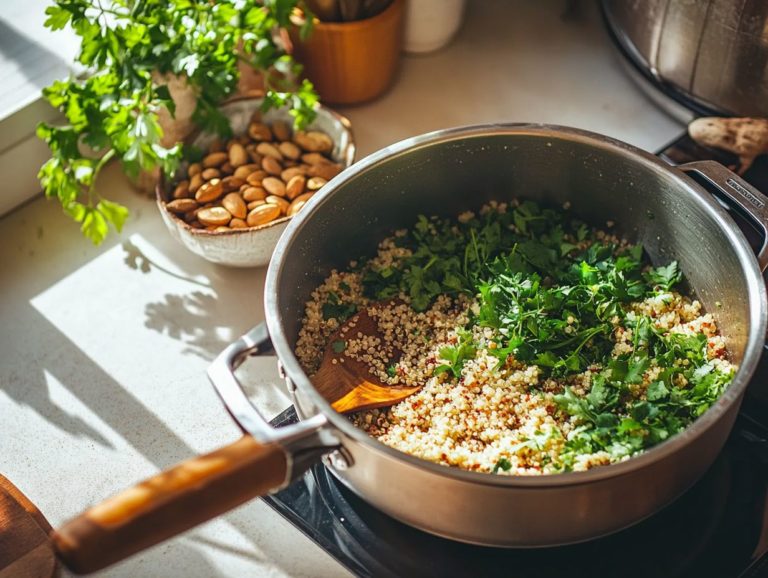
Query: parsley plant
point(112, 112)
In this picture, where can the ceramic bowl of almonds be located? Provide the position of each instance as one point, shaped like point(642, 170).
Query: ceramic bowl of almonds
point(232, 204)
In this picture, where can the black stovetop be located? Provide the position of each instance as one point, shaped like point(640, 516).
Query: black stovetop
point(719, 528)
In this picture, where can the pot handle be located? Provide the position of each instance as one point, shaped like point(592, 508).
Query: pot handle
point(169, 503)
point(265, 459)
point(313, 435)
point(737, 193)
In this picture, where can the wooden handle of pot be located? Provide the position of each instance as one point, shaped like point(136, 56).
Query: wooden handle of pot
point(169, 503)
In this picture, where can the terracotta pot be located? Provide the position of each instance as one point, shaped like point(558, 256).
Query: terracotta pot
point(352, 62)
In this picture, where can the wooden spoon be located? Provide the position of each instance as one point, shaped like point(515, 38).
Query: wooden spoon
point(349, 385)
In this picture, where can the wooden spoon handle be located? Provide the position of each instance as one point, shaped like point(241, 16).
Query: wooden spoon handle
point(170, 503)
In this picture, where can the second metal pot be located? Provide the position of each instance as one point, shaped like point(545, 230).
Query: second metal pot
point(710, 54)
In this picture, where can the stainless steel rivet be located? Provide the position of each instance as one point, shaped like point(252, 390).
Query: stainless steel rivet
point(338, 459)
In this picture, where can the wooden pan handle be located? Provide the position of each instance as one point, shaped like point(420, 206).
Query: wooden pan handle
point(169, 503)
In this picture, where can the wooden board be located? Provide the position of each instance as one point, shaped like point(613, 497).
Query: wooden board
point(25, 549)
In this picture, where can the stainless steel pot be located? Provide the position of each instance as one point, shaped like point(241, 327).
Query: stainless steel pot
point(446, 172)
point(712, 53)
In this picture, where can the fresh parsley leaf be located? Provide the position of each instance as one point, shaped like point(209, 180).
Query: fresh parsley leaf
point(456, 356)
point(636, 369)
point(667, 276)
point(335, 308)
point(502, 464)
point(656, 391)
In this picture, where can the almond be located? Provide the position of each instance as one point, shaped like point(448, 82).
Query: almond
point(209, 174)
point(214, 216)
point(263, 214)
point(254, 194)
point(214, 159)
point(255, 156)
point(269, 150)
point(181, 191)
point(253, 204)
point(238, 224)
point(227, 169)
point(315, 159)
point(182, 205)
point(291, 172)
point(243, 171)
point(235, 205)
point(298, 203)
point(289, 150)
point(278, 201)
point(315, 183)
point(259, 131)
point(195, 182)
point(237, 155)
point(313, 141)
point(274, 186)
point(231, 183)
point(271, 165)
point(209, 191)
point(281, 130)
point(295, 187)
point(256, 177)
point(194, 169)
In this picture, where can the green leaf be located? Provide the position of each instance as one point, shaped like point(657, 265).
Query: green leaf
point(113, 213)
point(666, 277)
point(656, 391)
point(339, 345)
point(57, 19)
point(502, 464)
point(637, 368)
point(335, 308)
point(94, 226)
point(456, 356)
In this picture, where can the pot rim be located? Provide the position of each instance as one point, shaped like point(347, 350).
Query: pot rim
point(361, 25)
point(748, 262)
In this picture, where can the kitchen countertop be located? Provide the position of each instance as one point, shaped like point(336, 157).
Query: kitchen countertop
point(103, 349)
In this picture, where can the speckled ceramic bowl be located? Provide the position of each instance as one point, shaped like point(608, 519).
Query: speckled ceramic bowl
point(251, 247)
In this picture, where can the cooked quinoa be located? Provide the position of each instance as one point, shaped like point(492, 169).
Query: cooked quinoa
point(514, 379)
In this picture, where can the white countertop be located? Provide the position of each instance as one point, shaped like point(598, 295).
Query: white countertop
point(103, 350)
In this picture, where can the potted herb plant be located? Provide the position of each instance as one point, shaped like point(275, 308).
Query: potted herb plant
point(156, 71)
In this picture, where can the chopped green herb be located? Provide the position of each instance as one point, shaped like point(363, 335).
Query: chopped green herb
point(335, 308)
point(339, 345)
point(531, 278)
point(502, 464)
point(456, 356)
point(552, 292)
point(666, 277)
